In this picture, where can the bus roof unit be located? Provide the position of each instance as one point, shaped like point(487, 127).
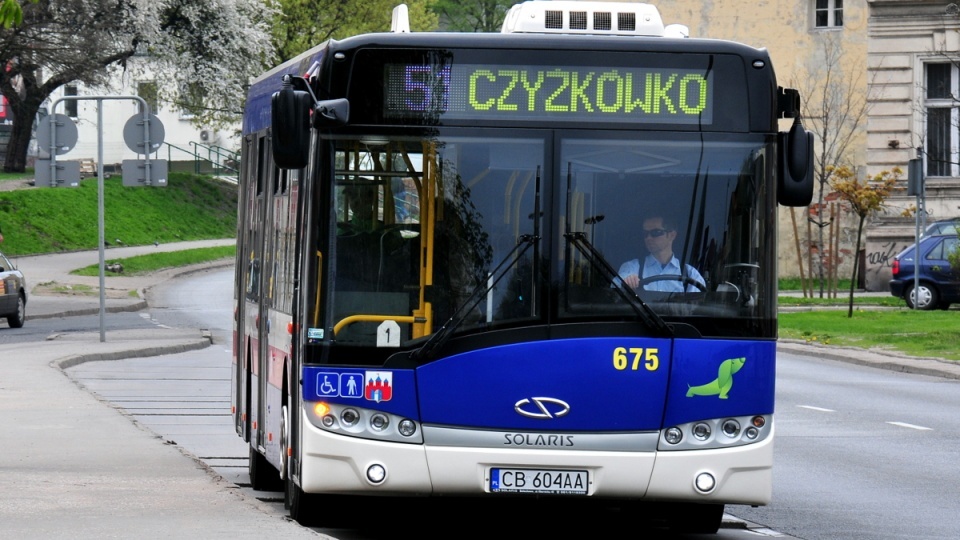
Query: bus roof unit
point(597, 18)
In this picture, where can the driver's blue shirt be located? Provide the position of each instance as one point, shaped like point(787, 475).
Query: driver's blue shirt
point(652, 267)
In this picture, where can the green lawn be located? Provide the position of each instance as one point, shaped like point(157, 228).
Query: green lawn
point(144, 264)
point(916, 333)
point(49, 220)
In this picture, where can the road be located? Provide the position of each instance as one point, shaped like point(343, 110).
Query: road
point(861, 453)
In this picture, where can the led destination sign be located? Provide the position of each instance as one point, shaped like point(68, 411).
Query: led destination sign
point(498, 92)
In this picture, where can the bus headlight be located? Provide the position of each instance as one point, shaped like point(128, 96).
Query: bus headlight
point(716, 433)
point(407, 427)
point(379, 422)
point(701, 431)
point(730, 428)
point(353, 421)
point(673, 435)
point(349, 417)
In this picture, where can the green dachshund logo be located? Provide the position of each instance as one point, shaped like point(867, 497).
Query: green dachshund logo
point(722, 384)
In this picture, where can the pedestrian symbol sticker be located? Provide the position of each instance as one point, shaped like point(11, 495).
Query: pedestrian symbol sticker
point(350, 384)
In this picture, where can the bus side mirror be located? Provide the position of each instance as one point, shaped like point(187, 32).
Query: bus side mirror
point(290, 123)
point(331, 113)
point(795, 166)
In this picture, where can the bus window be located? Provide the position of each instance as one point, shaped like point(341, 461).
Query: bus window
point(430, 222)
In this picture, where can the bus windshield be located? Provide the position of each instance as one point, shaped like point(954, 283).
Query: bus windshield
point(441, 230)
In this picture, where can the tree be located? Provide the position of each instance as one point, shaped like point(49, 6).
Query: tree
point(865, 198)
point(303, 24)
point(11, 13)
point(211, 46)
point(472, 15)
point(835, 109)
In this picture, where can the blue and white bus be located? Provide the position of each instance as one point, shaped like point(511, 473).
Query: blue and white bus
point(430, 298)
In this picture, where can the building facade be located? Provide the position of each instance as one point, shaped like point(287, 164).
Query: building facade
point(185, 141)
point(913, 59)
point(818, 47)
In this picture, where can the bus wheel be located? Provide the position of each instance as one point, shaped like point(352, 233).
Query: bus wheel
point(263, 475)
point(304, 508)
point(284, 440)
point(695, 518)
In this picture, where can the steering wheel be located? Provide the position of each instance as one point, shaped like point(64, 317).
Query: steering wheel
point(684, 280)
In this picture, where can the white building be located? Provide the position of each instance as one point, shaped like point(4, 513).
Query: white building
point(187, 145)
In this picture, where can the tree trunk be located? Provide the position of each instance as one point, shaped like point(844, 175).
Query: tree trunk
point(856, 264)
point(24, 113)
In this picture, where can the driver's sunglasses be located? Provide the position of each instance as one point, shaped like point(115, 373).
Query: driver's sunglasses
point(656, 233)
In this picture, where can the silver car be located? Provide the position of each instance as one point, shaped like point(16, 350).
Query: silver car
point(13, 293)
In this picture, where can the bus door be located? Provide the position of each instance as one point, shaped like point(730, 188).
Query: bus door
point(245, 275)
point(266, 175)
point(255, 316)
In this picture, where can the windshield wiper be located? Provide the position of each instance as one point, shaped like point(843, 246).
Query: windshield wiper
point(524, 242)
point(646, 314)
point(441, 336)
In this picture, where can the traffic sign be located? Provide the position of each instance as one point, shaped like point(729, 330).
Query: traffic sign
point(65, 132)
point(66, 174)
point(133, 133)
point(135, 172)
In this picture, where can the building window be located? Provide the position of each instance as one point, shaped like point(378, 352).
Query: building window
point(148, 91)
point(940, 144)
point(189, 100)
point(70, 106)
point(828, 13)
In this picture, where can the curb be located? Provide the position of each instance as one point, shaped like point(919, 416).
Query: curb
point(135, 352)
point(137, 306)
point(916, 365)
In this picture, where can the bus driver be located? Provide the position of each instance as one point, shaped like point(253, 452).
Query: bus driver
point(658, 237)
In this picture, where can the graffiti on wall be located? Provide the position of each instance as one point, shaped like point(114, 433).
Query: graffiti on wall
point(879, 257)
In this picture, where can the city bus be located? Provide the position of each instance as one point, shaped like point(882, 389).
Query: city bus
point(430, 294)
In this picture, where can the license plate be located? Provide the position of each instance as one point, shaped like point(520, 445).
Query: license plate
point(556, 482)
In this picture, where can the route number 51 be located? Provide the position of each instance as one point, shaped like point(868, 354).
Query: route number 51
point(631, 358)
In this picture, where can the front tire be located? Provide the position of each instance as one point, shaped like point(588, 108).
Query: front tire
point(17, 319)
point(924, 298)
point(696, 518)
point(263, 475)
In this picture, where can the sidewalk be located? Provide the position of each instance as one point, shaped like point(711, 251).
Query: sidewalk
point(123, 293)
point(76, 468)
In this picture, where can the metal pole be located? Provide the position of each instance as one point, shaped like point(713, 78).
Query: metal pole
point(100, 181)
point(146, 139)
point(916, 244)
point(53, 147)
point(100, 220)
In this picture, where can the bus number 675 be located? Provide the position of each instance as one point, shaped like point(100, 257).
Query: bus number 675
point(631, 358)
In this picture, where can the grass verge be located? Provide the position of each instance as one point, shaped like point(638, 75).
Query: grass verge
point(49, 220)
point(145, 264)
point(916, 333)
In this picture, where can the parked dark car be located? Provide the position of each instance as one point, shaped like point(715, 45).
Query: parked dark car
point(943, 226)
point(939, 284)
point(13, 293)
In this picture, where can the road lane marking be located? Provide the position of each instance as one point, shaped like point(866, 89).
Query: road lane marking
point(911, 426)
point(812, 408)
